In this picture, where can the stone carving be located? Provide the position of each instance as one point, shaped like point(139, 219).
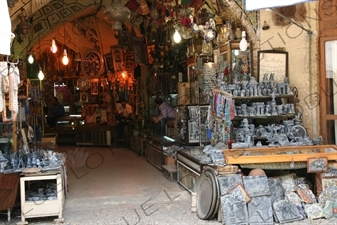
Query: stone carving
point(285, 211)
point(260, 211)
point(256, 185)
point(228, 182)
point(234, 210)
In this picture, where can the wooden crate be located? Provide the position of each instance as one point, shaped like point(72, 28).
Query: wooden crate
point(49, 138)
point(169, 160)
point(279, 154)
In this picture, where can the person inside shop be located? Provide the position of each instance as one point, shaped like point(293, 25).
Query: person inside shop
point(166, 112)
point(124, 116)
point(56, 111)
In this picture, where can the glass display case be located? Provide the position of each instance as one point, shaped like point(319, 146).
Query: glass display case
point(234, 63)
point(192, 124)
point(189, 167)
point(155, 146)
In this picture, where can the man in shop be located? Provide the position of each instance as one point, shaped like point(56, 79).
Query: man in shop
point(166, 112)
point(55, 112)
point(124, 116)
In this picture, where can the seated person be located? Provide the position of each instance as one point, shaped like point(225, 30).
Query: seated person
point(124, 116)
point(167, 112)
point(56, 111)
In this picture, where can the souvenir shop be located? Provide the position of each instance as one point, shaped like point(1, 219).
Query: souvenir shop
point(250, 141)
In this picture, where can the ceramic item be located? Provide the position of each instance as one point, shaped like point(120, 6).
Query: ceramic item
point(313, 211)
point(306, 195)
point(328, 194)
point(327, 210)
point(288, 183)
point(296, 200)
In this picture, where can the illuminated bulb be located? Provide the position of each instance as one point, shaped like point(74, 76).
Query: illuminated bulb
point(53, 46)
point(40, 75)
point(176, 37)
point(124, 75)
point(65, 59)
point(30, 58)
point(243, 42)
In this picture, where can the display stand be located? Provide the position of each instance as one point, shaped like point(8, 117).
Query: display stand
point(221, 114)
point(42, 208)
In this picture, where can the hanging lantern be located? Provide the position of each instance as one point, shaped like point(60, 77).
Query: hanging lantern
point(23, 27)
point(117, 13)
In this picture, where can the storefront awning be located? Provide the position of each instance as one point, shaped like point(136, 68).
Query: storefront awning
point(6, 35)
point(251, 5)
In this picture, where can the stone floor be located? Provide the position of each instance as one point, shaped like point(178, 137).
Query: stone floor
point(115, 187)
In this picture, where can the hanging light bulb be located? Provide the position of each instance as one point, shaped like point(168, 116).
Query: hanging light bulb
point(40, 75)
point(30, 58)
point(243, 42)
point(65, 59)
point(176, 36)
point(53, 47)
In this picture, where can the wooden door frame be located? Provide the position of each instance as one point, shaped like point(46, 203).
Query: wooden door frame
point(325, 116)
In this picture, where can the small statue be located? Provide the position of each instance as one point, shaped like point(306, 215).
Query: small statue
point(265, 78)
point(244, 110)
point(280, 109)
point(267, 110)
point(271, 78)
point(287, 86)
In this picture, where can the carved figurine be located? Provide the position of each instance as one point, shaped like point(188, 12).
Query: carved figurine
point(259, 91)
point(287, 86)
point(267, 110)
point(280, 109)
point(244, 110)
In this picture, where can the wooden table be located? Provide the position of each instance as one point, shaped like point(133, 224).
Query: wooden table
point(282, 154)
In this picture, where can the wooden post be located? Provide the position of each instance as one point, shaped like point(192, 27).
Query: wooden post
point(15, 137)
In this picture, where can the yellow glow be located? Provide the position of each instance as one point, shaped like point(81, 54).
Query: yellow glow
point(176, 37)
point(124, 75)
point(65, 59)
point(30, 58)
point(40, 75)
point(53, 46)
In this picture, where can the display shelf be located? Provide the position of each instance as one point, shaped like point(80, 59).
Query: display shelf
point(279, 154)
point(264, 117)
point(42, 208)
point(261, 97)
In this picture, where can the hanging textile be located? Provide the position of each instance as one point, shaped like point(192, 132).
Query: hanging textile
point(14, 81)
point(3, 72)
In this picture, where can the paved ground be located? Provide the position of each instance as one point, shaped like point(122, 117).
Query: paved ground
point(125, 190)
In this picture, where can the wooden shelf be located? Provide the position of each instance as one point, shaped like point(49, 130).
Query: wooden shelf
point(261, 97)
point(264, 117)
point(279, 154)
